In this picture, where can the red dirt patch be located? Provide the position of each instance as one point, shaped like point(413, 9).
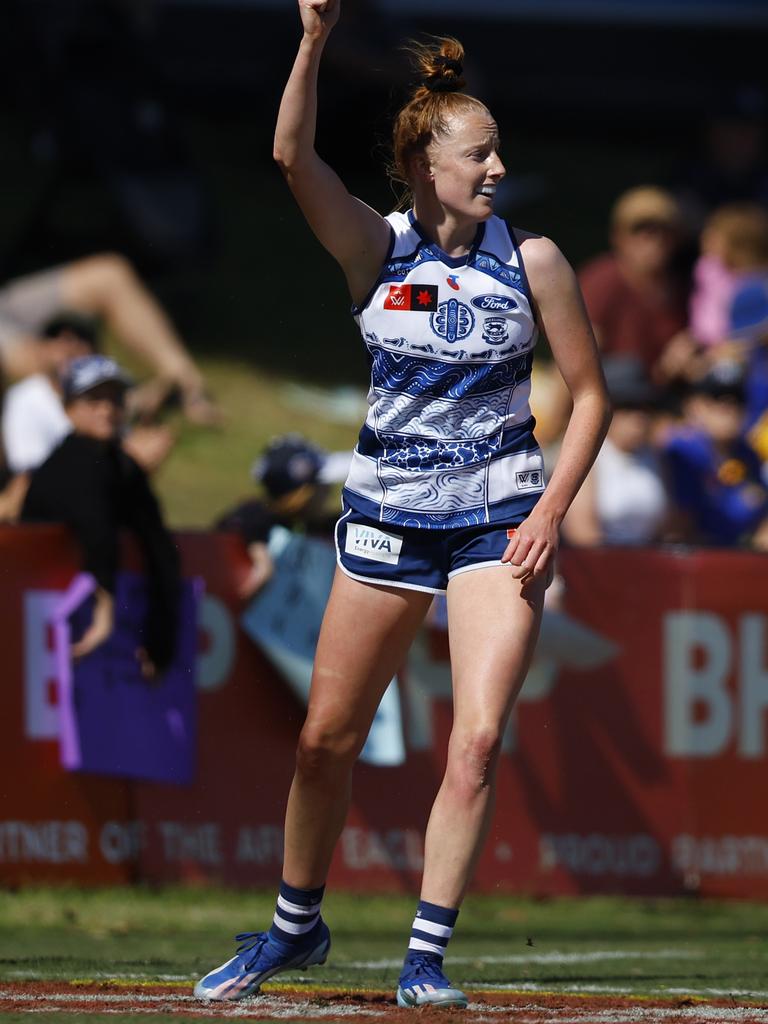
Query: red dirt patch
point(335, 1005)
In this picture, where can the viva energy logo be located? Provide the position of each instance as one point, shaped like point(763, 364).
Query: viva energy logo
point(368, 542)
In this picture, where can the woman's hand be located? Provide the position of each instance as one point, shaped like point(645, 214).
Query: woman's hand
point(319, 16)
point(532, 548)
point(101, 625)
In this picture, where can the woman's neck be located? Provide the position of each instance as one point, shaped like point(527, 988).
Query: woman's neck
point(454, 235)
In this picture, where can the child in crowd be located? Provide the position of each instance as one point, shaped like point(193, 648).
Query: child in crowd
point(715, 476)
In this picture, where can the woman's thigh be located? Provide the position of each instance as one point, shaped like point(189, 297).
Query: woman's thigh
point(493, 624)
point(365, 635)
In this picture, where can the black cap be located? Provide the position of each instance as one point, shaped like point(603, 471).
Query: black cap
point(288, 463)
point(725, 379)
point(629, 386)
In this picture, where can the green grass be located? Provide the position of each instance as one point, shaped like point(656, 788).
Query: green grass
point(209, 470)
point(654, 947)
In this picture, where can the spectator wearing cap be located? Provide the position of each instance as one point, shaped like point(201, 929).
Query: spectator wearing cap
point(34, 420)
point(295, 476)
point(635, 298)
point(90, 483)
point(624, 498)
point(715, 476)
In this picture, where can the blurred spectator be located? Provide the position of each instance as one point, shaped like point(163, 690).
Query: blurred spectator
point(105, 285)
point(91, 484)
point(34, 421)
point(623, 500)
point(635, 297)
point(296, 477)
point(734, 244)
point(715, 476)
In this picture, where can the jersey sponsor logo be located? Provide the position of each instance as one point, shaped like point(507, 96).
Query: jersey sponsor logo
point(495, 330)
point(368, 542)
point(494, 303)
point(453, 282)
point(530, 480)
point(412, 297)
point(453, 320)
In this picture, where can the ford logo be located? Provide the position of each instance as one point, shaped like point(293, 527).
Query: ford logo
point(501, 303)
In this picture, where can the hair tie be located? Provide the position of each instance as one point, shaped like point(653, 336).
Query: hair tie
point(438, 81)
point(449, 64)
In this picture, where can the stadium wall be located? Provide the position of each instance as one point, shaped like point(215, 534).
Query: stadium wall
point(635, 761)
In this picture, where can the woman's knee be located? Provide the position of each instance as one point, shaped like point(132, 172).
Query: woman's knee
point(325, 749)
point(472, 759)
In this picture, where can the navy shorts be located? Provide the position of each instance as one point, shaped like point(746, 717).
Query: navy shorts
point(417, 559)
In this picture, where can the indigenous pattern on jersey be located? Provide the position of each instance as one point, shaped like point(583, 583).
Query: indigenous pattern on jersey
point(448, 439)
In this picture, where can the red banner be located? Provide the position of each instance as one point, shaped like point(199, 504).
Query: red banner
point(635, 761)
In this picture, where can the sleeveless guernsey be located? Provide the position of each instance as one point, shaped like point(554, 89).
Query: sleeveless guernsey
point(448, 439)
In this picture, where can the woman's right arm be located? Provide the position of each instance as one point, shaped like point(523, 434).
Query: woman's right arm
point(355, 235)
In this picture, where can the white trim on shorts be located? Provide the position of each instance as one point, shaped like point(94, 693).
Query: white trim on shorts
point(477, 565)
point(389, 583)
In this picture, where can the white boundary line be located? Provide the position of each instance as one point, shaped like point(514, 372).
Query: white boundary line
point(263, 1006)
point(591, 956)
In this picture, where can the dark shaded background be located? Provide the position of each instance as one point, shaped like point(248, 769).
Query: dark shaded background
point(145, 127)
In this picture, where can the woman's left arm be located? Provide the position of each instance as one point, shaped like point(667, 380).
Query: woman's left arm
point(561, 315)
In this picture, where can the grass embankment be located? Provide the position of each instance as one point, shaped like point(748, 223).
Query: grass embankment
point(209, 469)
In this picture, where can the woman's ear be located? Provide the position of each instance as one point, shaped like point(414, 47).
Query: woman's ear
point(421, 167)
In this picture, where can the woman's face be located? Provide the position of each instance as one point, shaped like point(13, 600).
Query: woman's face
point(464, 165)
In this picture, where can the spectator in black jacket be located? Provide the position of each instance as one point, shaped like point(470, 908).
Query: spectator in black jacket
point(90, 483)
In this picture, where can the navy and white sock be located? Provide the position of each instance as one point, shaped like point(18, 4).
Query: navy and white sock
point(432, 928)
point(296, 914)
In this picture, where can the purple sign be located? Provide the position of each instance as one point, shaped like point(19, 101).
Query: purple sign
point(112, 720)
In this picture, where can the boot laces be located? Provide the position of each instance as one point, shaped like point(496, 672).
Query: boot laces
point(253, 943)
point(426, 965)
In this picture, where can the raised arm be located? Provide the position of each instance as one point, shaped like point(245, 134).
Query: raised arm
point(355, 235)
point(564, 320)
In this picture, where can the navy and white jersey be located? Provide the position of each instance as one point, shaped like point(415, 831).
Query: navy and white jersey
point(448, 439)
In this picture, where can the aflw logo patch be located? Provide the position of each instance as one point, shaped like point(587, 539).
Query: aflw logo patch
point(412, 297)
point(368, 542)
point(530, 480)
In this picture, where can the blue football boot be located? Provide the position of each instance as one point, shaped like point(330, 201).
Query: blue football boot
point(422, 983)
point(258, 958)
